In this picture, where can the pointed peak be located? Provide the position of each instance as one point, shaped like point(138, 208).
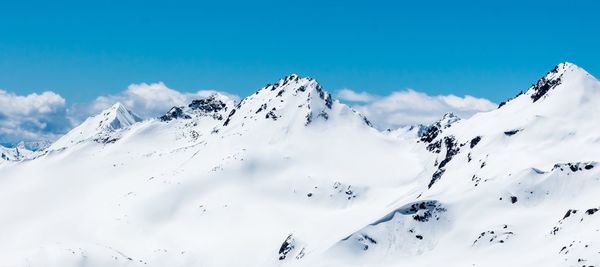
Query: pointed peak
point(115, 117)
point(563, 80)
point(285, 98)
point(553, 78)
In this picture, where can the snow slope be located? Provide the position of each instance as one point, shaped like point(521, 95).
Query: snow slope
point(291, 177)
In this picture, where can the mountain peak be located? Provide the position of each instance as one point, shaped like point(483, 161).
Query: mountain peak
point(289, 96)
point(553, 78)
point(99, 127)
point(565, 72)
point(293, 101)
point(117, 117)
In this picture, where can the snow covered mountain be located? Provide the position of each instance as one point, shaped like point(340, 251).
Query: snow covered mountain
point(291, 177)
point(99, 128)
point(507, 180)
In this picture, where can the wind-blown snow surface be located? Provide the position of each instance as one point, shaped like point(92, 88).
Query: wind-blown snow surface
point(289, 176)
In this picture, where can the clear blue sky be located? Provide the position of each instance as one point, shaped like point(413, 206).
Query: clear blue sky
point(487, 49)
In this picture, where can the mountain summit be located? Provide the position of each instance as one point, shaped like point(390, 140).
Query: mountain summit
point(566, 80)
point(292, 101)
point(562, 72)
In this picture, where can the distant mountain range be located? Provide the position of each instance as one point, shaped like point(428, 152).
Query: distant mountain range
point(289, 176)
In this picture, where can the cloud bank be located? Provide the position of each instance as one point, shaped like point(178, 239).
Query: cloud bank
point(27, 117)
point(409, 107)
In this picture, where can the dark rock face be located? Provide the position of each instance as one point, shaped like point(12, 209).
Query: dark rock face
point(271, 114)
point(174, 113)
point(329, 101)
point(512, 132)
point(452, 149)
point(435, 129)
point(430, 134)
point(286, 247)
point(261, 108)
point(435, 147)
point(574, 166)
point(494, 236)
point(573, 217)
point(308, 119)
point(291, 248)
point(569, 212)
point(207, 105)
point(545, 84)
point(591, 211)
point(475, 141)
point(229, 117)
point(367, 121)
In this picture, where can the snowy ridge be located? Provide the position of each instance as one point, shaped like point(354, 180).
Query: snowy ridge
point(291, 177)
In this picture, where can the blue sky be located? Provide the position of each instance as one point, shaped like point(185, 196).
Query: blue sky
point(81, 50)
point(486, 49)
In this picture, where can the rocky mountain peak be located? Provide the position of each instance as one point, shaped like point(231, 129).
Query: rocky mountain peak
point(290, 95)
point(553, 78)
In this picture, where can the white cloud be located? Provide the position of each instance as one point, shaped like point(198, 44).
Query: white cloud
point(146, 100)
point(410, 107)
point(351, 96)
point(31, 117)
